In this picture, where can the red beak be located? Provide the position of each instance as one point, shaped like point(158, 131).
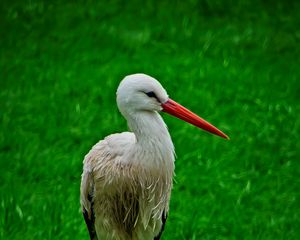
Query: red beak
point(181, 112)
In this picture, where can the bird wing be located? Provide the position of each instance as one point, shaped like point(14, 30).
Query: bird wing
point(109, 149)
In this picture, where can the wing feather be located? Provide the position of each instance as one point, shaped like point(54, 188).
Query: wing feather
point(98, 157)
point(86, 199)
point(163, 219)
point(90, 222)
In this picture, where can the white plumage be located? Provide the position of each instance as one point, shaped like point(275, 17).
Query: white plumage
point(127, 177)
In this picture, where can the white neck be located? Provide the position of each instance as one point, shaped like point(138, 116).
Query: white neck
point(154, 144)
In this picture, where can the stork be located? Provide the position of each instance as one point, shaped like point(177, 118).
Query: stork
point(127, 177)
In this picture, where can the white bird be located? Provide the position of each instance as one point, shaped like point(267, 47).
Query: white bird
point(127, 177)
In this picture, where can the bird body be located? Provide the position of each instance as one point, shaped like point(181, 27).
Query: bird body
point(130, 197)
point(127, 177)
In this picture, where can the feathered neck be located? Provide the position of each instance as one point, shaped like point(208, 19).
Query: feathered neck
point(152, 136)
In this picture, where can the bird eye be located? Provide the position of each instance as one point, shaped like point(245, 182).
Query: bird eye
point(151, 94)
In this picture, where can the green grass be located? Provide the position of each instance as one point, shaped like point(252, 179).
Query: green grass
point(234, 63)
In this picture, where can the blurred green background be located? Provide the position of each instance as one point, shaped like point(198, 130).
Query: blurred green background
point(235, 63)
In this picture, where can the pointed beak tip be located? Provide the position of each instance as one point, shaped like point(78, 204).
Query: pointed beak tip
point(227, 138)
point(222, 135)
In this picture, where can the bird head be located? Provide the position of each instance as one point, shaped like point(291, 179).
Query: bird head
point(140, 92)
